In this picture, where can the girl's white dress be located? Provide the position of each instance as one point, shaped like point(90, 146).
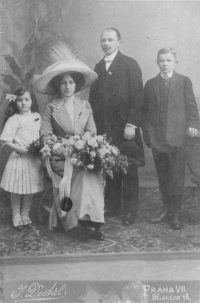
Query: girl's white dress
point(23, 173)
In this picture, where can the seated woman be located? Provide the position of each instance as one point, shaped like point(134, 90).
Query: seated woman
point(64, 115)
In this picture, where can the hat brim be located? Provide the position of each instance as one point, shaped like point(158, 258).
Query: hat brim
point(41, 82)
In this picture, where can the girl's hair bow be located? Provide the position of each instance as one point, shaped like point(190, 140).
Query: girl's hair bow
point(10, 97)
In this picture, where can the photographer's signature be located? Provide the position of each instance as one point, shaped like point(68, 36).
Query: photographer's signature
point(38, 292)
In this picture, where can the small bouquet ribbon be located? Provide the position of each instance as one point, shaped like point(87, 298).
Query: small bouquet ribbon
point(10, 97)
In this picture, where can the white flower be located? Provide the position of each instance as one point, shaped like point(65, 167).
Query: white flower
point(79, 163)
point(86, 135)
point(115, 150)
point(77, 137)
point(50, 142)
point(56, 146)
point(99, 138)
point(54, 138)
point(46, 151)
point(92, 142)
point(73, 161)
point(102, 152)
point(90, 166)
point(71, 140)
point(108, 146)
point(65, 141)
point(93, 154)
point(79, 144)
point(45, 148)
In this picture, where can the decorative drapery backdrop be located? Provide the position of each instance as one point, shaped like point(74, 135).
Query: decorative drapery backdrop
point(28, 28)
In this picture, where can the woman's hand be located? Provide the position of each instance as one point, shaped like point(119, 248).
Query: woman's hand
point(59, 152)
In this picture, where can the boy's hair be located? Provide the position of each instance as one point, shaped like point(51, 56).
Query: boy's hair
point(12, 106)
point(77, 77)
point(114, 30)
point(167, 50)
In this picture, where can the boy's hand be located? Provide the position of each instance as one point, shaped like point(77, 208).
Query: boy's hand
point(129, 132)
point(192, 132)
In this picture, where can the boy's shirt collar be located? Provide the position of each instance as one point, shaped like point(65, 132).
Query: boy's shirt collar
point(169, 75)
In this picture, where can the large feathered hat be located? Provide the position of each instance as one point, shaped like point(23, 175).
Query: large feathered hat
point(63, 62)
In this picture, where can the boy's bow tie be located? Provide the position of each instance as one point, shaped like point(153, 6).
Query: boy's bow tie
point(107, 59)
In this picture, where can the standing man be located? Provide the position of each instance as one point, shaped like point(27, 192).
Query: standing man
point(116, 99)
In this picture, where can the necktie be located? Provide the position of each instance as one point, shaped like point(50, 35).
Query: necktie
point(167, 80)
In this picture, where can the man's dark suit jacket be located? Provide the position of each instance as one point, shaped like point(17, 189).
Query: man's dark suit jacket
point(116, 97)
point(182, 112)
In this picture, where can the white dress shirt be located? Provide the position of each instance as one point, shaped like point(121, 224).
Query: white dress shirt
point(169, 75)
point(110, 58)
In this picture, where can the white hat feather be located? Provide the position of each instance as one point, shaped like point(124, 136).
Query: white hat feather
point(64, 61)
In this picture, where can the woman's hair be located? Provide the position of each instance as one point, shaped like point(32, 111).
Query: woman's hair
point(12, 106)
point(77, 77)
point(167, 50)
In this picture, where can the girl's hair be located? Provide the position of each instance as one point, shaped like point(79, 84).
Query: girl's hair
point(167, 50)
point(77, 77)
point(12, 106)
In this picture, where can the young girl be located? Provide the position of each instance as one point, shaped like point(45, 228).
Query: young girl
point(22, 175)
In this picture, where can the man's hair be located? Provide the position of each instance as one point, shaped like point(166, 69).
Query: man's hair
point(167, 50)
point(111, 29)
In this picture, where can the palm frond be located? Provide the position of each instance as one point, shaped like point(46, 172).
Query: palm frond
point(43, 24)
point(14, 47)
point(44, 44)
point(10, 81)
point(14, 66)
point(28, 76)
point(27, 52)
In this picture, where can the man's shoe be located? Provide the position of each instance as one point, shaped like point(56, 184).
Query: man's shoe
point(176, 222)
point(165, 216)
point(128, 219)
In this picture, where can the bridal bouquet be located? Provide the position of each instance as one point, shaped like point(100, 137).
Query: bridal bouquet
point(90, 151)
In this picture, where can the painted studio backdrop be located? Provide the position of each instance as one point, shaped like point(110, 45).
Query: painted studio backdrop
point(28, 28)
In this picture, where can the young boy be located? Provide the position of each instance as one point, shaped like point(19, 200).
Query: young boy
point(169, 114)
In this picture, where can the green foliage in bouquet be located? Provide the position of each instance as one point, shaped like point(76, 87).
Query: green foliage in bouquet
point(35, 147)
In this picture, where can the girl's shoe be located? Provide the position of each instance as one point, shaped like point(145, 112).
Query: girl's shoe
point(19, 227)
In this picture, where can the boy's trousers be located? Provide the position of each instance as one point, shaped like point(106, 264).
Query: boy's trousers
point(170, 167)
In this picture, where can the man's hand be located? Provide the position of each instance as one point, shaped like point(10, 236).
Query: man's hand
point(129, 132)
point(192, 132)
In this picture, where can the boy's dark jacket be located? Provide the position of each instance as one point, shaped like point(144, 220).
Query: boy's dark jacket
point(116, 98)
point(182, 112)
